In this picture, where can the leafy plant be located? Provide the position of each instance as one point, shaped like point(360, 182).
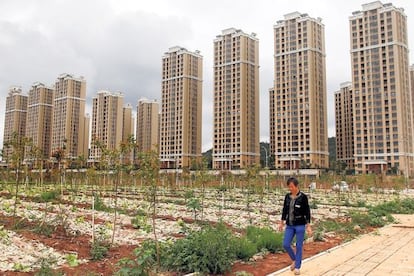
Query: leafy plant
point(318, 235)
point(265, 238)
point(44, 229)
point(188, 195)
point(98, 251)
point(4, 237)
point(244, 248)
point(72, 260)
point(194, 205)
point(210, 250)
point(20, 267)
point(49, 196)
point(46, 269)
point(141, 222)
point(80, 220)
point(243, 273)
point(313, 205)
point(405, 206)
point(141, 264)
point(361, 203)
point(100, 246)
point(100, 205)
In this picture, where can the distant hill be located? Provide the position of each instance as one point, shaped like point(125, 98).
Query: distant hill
point(208, 156)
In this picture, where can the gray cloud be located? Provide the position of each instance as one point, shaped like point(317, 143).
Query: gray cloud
point(118, 45)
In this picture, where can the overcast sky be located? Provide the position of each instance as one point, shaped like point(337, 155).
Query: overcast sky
point(117, 45)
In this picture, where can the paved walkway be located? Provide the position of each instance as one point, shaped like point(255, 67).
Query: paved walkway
point(390, 250)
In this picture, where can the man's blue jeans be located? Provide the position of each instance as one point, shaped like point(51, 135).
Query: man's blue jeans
point(290, 232)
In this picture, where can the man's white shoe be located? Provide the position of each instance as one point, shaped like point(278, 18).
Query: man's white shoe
point(297, 271)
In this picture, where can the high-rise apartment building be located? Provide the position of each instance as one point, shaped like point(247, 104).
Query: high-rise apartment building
point(68, 125)
point(382, 101)
point(107, 122)
point(298, 108)
point(15, 118)
point(344, 121)
point(39, 117)
point(127, 123)
point(236, 100)
point(127, 132)
point(86, 129)
point(412, 92)
point(180, 126)
point(147, 125)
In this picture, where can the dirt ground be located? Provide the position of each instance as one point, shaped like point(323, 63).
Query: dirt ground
point(274, 262)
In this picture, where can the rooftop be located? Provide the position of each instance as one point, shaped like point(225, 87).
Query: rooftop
point(298, 16)
point(236, 32)
point(181, 50)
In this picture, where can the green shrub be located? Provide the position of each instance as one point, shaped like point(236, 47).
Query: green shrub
point(141, 264)
point(46, 268)
point(361, 203)
point(100, 205)
point(194, 205)
point(371, 218)
point(72, 260)
point(49, 196)
point(98, 251)
point(318, 235)
point(20, 267)
point(189, 194)
point(243, 273)
point(405, 206)
point(244, 248)
point(313, 205)
point(210, 250)
point(265, 238)
point(330, 225)
point(44, 229)
point(141, 222)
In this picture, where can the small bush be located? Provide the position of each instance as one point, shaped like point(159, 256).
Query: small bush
point(98, 251)
point(243, 273)
point(46, 268)
point(361, 203)
point(265, 238)
point(330, 225)
point(141, 264)
point(72, 260)
point(405, 206)
point(100, 205)
point(244, 248)
point(141, 222)
point(44, 229)
point(313, 205)
point(318, 235)
point(194, 205)
point(210, 250)
point(49, 196)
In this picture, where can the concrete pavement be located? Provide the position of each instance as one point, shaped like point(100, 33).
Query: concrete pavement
point(389, 250)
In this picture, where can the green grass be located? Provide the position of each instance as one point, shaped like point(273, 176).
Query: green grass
point(265, 238)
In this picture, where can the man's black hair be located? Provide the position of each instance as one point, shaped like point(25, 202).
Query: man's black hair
point(292, 180)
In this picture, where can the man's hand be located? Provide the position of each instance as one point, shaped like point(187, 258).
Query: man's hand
point(281, 226)
point(309, 230)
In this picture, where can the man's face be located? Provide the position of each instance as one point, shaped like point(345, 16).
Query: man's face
point(292, 188)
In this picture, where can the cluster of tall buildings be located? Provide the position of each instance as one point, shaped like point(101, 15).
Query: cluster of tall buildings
point(52, 117)
point(374, 112)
